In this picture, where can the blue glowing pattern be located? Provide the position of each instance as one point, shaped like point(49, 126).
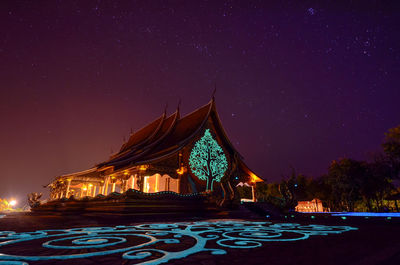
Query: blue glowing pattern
point(207, 160)
point(365, 214)
point(207, 236)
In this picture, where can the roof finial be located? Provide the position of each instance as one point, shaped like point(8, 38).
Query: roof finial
point(179, 105)
point(215, 91)
point(165, 108)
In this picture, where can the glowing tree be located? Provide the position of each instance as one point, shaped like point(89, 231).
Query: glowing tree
point(207, 160)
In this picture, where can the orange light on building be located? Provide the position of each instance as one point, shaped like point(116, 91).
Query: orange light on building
point(143, 167)
point(254, 179)
point(181, 170)
point(146, 184)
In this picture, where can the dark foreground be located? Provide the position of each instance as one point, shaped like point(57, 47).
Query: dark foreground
point(243, 241)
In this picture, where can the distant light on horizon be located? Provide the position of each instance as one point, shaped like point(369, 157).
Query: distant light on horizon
point(13, 203)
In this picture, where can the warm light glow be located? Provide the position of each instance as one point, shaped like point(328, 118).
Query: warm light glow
point(133, 181)
point(143, 167)
point(156, 187)
point(90, 185)
point(84, 188)
point(181, 170)
point(13, 203)
point(146, 184)
point(254, 178)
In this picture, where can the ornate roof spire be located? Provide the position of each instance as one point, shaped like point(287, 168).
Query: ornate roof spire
point(165, 108)
point(215, 91)
point(179, 105)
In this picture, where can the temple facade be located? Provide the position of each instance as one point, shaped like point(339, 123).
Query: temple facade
point(180, 155)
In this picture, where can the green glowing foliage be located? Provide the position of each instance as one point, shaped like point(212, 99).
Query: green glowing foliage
point(207, 160)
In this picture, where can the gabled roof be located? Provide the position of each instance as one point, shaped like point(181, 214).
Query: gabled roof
point(167, 135)
point(143, 136)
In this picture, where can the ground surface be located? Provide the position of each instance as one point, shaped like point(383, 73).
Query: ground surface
point(374, 242)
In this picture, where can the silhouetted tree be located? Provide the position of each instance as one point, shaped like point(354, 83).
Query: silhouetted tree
point(391, 147)
point(376, 184)
point(345, 178)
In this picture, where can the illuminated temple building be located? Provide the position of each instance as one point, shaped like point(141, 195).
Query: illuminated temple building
point(179, 156)
point(314, 205)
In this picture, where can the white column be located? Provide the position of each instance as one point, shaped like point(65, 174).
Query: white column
point(133, 181)
point(157, 187)
point(68, 185)
point(106, 186)
point(103, 187)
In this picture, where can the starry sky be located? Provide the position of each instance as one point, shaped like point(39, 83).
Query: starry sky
point(298, 84)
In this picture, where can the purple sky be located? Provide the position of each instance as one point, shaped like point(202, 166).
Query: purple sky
point(297, 84)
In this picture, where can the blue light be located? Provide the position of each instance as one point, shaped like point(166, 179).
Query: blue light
point(366, 214)
point(95, 241)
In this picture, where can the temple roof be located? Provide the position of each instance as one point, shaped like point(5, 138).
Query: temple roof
point(167, 135)
point(163, 136)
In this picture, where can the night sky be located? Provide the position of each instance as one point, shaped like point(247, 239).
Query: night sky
point(298, 84)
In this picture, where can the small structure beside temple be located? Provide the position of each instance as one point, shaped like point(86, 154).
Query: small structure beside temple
point(314, 205)
point(179, 157)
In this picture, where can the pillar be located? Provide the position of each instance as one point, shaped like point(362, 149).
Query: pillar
point(106, 189)
point(157, 187)
point(253, 192)
point(113, 187)
point(133, 181)
point(94, 191)
point(178, 185)
point(103, 187)
point(68, 185)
